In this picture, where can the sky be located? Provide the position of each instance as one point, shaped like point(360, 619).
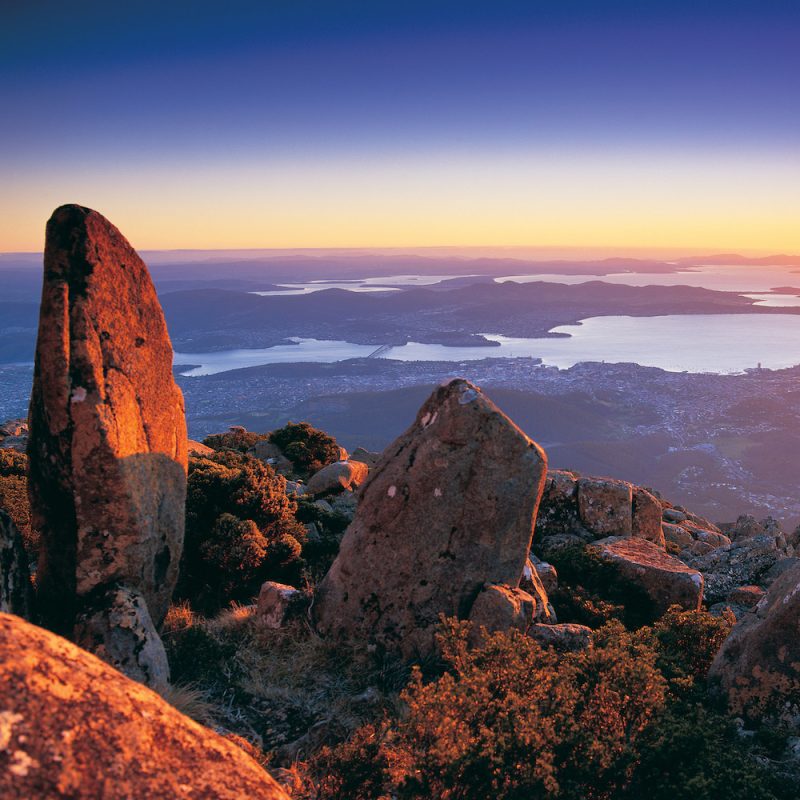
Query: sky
point(615, 124)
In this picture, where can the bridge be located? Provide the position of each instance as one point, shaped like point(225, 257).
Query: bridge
point(381, 351)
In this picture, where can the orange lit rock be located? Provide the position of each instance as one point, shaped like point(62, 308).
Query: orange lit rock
point(73, 727)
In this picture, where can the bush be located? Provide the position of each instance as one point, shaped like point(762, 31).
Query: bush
point(509, 720)
point(308, 448)
point(14, 497)
point(687, 642)
point(240, 530)
point(237, 439)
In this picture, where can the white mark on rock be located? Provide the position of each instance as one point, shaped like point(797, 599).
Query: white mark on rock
point(392, 491)
point(78, 395)
point(437, 492)
point(467, 396)
point(425, 420)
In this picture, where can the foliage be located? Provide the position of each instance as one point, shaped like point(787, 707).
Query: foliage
point(14, 497)
point(696, 754)
point(686, 642)
point(237, 439)
point(240, 530)
point(509, 720)
point(308, 448)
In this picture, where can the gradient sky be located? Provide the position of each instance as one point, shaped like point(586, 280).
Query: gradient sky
point(291, 123)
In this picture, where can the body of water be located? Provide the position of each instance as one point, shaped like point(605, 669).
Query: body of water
point(721, 343)
point(392, 283)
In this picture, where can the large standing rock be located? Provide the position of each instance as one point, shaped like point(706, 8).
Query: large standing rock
point(664, 579)
point(73, 727)
point(108, 434)
point(16, 595)
point(450, 507)
point(759, 663)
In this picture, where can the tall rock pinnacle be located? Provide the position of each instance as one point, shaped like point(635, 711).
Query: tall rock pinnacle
point(449, 509)
point(107, 428)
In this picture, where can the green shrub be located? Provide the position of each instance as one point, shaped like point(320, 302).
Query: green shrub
point(240, 530)
point(238, 440)
point(687, 642)
point(693, 753)
point(14, 497)
point(308, 448)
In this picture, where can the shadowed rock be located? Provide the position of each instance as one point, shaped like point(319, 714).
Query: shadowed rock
point(759, 663)
point(16, 595)
point(108, 445)
point(449, 508)
point(73, 727)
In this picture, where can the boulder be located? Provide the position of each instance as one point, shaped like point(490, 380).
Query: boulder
point(108, 445)
point(666, 580)
point(500, 608)
point(547, 574)
point(605, 506)
point(747, 596)
point(276, 602)
point(758, 665)
point(73, 727)
point(198, 448)
point(673, 516)
point(16, 590)
point(14, 427)
point(337, 477)
point(122, 633)
point(366, 457)
point(677, 534)
point(532, 584)
point(450, 508)
point(564, 636)
point(646, 517)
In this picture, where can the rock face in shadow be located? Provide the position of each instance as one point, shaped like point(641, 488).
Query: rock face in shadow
point(16, 595)
point(449, 508)
point(758, 665)
point(107, 440)
point(73, 727)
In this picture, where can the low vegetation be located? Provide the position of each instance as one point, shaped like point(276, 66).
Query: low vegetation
point(14, 497)
point(308, 448)
point(240, 530)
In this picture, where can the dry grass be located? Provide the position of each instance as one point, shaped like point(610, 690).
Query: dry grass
point(192, 701)
point(287, 691)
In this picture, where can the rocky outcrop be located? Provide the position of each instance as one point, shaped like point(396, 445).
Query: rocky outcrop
point(501, 608)
point(120, 631)
point(16, 593)
point(366, 457)
point(758, 665)
point(337, 477)
point(449, 508)
point(593, 508)
point(14, 435)
point(73, 727)
point(665, 580)
point(566, 636)
point(276, 602)
point(108, 446)
point(198, 449)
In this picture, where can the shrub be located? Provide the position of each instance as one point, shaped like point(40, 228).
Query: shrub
point(308, 448)
point(696, 754)
point(509, 720)
point(237, 439)
point(14, 497)
point(240, 530)
point(687, 642)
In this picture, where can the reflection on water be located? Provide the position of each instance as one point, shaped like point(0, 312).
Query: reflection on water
point(721, 343)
